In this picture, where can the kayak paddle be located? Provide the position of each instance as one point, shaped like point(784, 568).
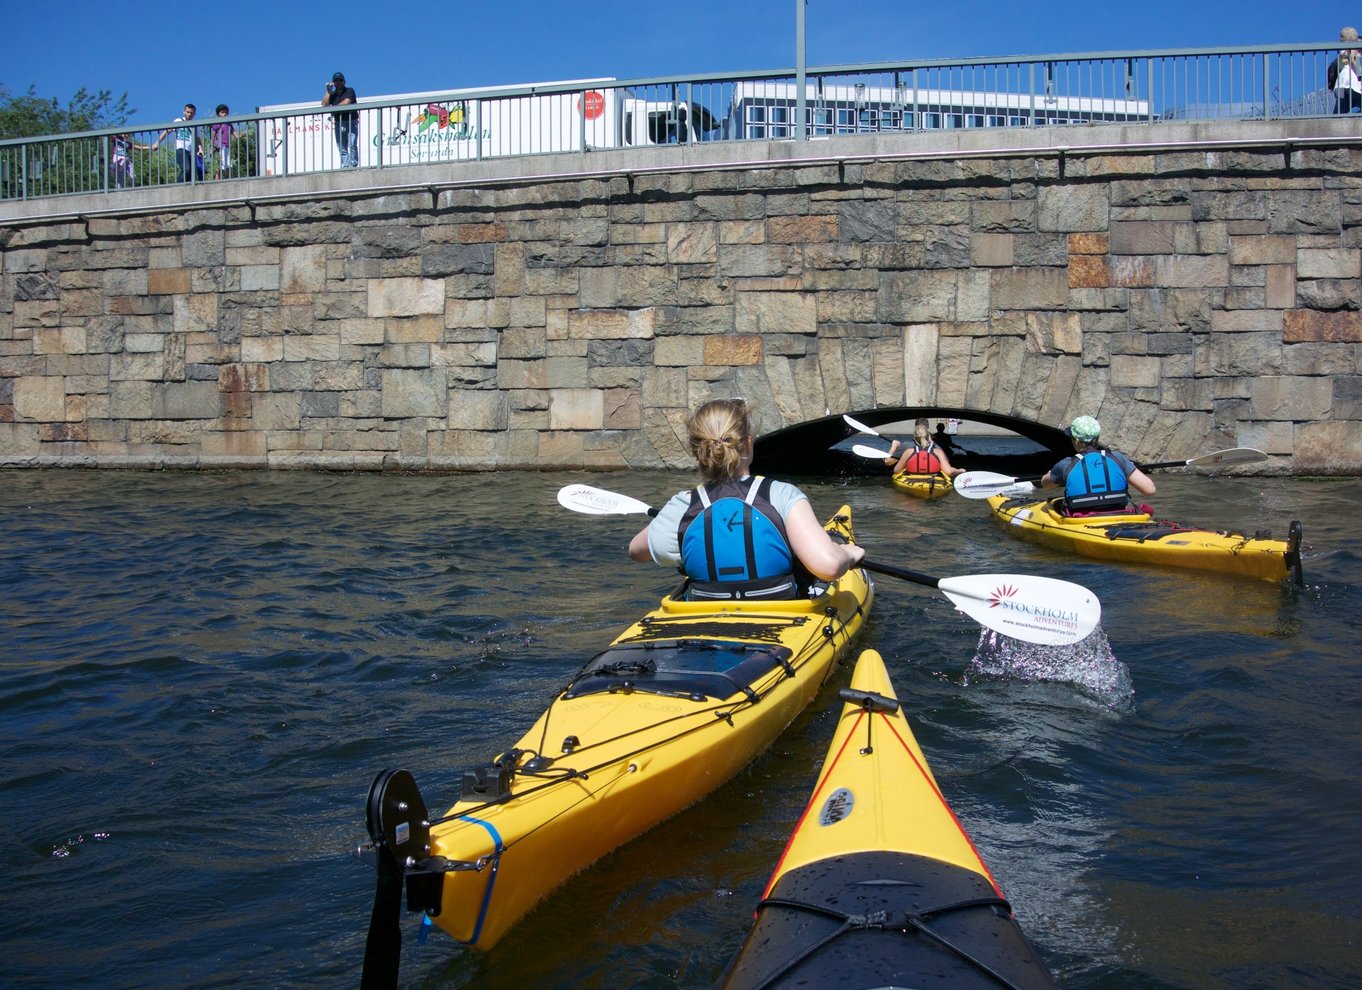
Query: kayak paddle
point(598, 502)
point(1035, 609)
point(860, 427)
point(1217, 458)
point(986, 484)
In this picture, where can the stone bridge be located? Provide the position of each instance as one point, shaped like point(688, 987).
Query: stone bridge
point(1194, 286)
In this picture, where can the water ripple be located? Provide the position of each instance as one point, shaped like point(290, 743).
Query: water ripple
point(203, 673)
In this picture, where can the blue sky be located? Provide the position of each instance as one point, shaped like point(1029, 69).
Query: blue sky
point(249, 53)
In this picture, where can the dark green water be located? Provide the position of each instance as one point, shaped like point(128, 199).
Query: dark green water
point(202, 673)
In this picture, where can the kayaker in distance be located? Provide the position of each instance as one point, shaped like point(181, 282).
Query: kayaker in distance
point(943, 440)
point(1095, 478)
point(924, 456)
point(738, 536)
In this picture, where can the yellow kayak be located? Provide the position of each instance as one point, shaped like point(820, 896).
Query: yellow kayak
point(879, 885)
point(923, 485)
point(1140, 538)
point(679, 703)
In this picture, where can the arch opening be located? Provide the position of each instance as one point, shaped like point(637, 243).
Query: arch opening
point(985, 442)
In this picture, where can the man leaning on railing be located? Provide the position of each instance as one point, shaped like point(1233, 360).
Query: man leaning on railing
point(345, 125)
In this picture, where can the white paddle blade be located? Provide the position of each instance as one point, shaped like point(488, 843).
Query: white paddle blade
point(597, 502)
point(1035, 609)
point(986, 484)
point(872, 453)
point(855, 425)
point(1224, 458)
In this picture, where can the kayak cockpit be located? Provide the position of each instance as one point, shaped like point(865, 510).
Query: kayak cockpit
point(698, 669)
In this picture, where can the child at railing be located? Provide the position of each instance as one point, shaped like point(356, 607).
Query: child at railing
point(121, 147)
point(221, 141)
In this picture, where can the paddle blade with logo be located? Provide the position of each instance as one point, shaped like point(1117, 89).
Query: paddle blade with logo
point(1035, 609)
point(598, 502)
point(986, 484)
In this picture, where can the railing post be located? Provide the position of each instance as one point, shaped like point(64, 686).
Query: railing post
point(917, 120)
point(1149, 71)
point(800, 132)
point(1267, 88)
point(1031, 84)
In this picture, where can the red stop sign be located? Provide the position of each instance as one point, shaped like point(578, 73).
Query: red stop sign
point(592, 104)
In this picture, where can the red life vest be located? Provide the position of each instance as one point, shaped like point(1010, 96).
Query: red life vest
point(923, 461)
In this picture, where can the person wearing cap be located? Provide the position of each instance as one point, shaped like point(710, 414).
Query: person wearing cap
point(1095, 478)
point(344, 125)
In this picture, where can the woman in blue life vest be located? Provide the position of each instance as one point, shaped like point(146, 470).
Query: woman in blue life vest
point(739, 536)
point(922, 456)
point(1095, 478)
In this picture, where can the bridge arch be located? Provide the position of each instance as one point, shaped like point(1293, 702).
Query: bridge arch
point(820, 447)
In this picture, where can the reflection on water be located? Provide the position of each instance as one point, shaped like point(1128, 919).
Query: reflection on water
point(204, 672)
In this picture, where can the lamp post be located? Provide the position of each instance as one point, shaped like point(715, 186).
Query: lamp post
point(801, 133)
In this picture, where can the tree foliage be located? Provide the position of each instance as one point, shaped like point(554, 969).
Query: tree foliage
point(31, 115)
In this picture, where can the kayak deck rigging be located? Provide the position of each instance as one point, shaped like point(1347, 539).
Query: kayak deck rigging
point(644, 677)
point(678, 703)
point(909, 922)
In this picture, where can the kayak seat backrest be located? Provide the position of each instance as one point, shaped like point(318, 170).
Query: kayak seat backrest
point(696, 668)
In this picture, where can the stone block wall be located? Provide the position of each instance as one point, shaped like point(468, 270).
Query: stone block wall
point(1190, 300)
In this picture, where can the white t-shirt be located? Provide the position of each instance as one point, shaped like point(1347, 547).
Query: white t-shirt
point(184, 136)
point(1347, 75)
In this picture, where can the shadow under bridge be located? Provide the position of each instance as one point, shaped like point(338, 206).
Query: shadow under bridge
point(984, 441)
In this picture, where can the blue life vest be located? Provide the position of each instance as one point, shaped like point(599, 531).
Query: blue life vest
point(734, 545)
point(1096, 483)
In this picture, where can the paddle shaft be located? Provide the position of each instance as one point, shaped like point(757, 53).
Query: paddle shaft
point(1165, 464)
point(900, 572)
point(1036, 609)
point(1217, 458)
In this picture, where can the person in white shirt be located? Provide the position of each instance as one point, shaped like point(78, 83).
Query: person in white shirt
point(1347, 74)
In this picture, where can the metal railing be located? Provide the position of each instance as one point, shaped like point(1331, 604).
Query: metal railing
point(591, 115)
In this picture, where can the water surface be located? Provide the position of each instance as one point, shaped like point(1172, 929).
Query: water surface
point(203, 672)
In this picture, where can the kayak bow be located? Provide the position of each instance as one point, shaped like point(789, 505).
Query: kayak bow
point(879, 885)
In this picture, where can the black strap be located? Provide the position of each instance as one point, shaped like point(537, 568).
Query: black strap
point(709, 542)
point(749, 544)
point(891, 921)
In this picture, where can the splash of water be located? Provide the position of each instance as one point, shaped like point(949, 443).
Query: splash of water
point(1089, 665)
